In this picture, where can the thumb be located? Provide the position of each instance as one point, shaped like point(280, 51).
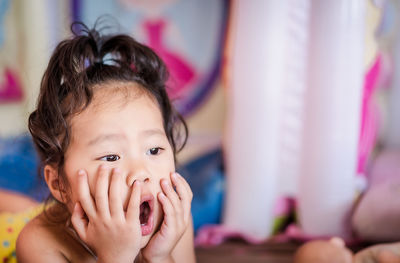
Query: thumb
point(79, 221)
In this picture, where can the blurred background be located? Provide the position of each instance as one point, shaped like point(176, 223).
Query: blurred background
point(292, 107)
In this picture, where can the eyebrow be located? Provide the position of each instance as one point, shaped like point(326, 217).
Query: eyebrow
point(121, 137)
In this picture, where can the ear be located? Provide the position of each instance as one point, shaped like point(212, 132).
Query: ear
point(54, 183)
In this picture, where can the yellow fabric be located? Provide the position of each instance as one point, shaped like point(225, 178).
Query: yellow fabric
point(10, 226)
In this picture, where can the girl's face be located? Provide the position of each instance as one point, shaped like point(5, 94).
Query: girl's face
point(122, 127)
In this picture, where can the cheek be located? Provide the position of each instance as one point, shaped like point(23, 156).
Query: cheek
point(162, 169)
point(169, 163)
point(74, 165)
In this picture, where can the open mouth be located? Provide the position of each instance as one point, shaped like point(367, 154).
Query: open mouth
point(146, 214)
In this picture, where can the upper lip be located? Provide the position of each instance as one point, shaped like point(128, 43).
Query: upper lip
point(144, 198)
point(147, 198)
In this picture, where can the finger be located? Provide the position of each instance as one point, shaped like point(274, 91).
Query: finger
point(172, 195)
point(133, 210)
point(79, 221)
point(187, 186)
point(167, 208)
point(85, 199)
point(365, 256)
point(116, 205)
point(184, 192)
point(101, 191)
point(337, 241)
point(386, 256)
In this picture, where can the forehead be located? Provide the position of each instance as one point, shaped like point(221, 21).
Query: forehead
point(117, 106)
point(117, 94)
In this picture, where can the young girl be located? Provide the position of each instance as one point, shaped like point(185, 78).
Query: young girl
point(107, 136)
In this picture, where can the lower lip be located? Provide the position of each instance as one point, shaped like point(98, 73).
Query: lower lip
point(147, 229)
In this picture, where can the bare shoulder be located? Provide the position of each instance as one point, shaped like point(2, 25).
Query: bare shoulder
point(38, 242)
point(184, 250)
point(41, 241)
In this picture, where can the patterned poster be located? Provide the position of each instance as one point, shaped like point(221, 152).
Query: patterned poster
point(187, 34)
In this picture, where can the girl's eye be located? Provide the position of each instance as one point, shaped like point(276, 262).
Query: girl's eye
point(110, 158)
point(154, 151)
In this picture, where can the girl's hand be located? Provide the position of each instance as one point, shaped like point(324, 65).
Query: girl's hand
point(102, 223)
point(383, 253)
point(176, 206)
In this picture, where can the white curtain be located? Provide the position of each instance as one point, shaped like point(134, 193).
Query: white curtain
point(295, 83)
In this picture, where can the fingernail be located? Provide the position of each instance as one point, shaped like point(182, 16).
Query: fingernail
point(116, 170)
point(162, 195)
point(165, 182)
point(81, 172)
point(138, 183)
point(175, 175)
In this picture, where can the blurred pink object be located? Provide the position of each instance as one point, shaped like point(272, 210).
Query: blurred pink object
point(181, 73)
point(284, 205)
point(376, 217)
point(294, 232)
point(213, 235)
point(369, 116)
point(10, 89)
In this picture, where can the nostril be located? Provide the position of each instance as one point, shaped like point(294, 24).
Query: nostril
point(130, 180)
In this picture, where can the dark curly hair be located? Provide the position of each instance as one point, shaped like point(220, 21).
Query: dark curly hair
point(80, 64)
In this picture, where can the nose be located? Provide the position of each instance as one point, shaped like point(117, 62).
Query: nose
point(137, 171)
